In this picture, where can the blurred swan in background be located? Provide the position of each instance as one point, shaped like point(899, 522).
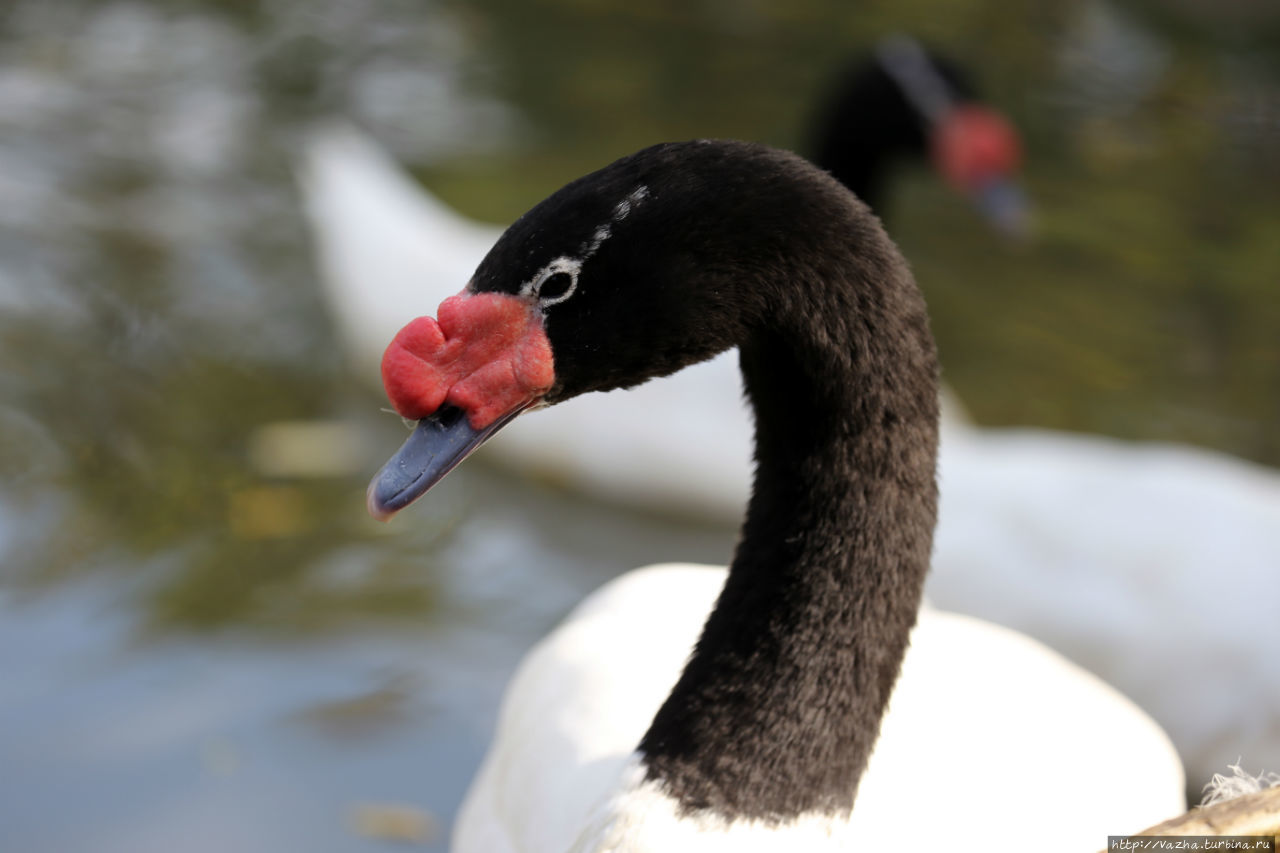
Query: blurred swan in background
point(1155, 566)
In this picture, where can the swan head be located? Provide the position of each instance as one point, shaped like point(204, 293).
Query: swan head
point(911, 101)
point(660, 260)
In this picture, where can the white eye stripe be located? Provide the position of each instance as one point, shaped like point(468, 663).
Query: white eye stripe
point(560, 266)
point(572, 267)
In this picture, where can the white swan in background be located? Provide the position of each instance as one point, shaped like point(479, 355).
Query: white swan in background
point(619, 733)
point(1154, 566)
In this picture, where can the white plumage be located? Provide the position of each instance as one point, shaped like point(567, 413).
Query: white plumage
point(992, 742)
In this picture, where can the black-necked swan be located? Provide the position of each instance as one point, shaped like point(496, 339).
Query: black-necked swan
point(1098, 547)
point(614, 735)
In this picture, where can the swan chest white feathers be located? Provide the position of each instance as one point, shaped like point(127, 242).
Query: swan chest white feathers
point(990, 739)
point(634, 729)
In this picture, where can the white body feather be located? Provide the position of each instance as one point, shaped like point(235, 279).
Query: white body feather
point(992, 742)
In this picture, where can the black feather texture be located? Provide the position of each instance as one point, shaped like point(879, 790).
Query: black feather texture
point(734, 244)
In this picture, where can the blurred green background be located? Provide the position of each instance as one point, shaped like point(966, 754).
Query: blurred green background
point(286, 657)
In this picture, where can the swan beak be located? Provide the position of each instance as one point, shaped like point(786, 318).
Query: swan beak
point(435, 447)
point(1004, 204)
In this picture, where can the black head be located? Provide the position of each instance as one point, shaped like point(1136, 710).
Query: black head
point(659, 260)
point(868, 119)
point(905, 101)
point(667, 257)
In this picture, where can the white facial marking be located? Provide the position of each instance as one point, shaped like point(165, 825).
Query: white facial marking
point(573, 266)
point(604, 232)
point(636, 196)
point(561, 265)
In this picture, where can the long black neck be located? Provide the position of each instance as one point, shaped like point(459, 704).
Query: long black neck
point(779, 706)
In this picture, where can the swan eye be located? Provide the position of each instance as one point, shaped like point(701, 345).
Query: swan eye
point(554, 283)
point(556, 288)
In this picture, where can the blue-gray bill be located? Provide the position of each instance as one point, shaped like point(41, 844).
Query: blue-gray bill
point(1005, 205)
point(435, 447)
